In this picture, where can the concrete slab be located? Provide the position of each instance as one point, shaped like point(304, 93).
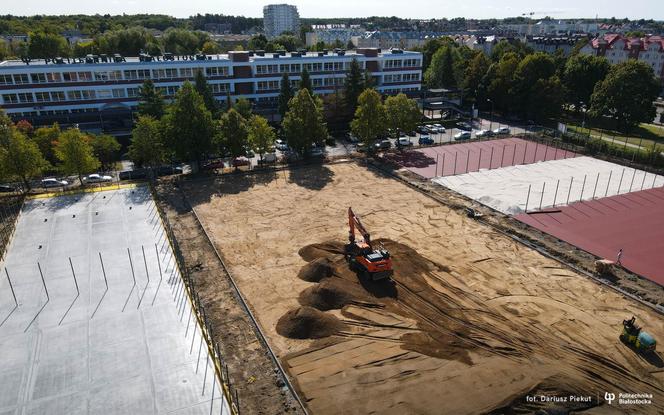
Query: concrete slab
point(111, 343)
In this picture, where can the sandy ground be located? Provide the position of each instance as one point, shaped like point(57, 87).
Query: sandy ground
point(551, 182)
point(473, 322)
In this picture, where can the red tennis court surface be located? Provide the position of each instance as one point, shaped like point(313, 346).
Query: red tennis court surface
point(437, 161)
point(633, 222)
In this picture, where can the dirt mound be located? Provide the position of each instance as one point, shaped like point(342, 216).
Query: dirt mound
point(325, 296)
point(322, 250)
point(316, 270)
point(308, 323)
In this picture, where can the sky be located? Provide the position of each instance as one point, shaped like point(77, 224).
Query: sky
point(559, 9)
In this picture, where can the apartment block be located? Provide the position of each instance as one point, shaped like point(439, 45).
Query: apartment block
point(279, 18)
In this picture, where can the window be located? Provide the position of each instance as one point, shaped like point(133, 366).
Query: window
point(266, 69)
point(115, 75)
point(85, 76)
point(314, 67)
point(333, 81)
point(132, 74)
point(132, 92)
point(43, 96)
point(74, 95)
point(57, 96)
point(137, 74)
point(411, 77)
point(10, 98)
point(26, 97)
point(164, 73)
point(119, 93)
point(104, 93)
point(391, 78)
point(186, 72)
point(317, 82)
point(217, 71)
point(38, 78)
point(70, 76)
point(410, 63)
point(219, 88)
point(392, 63)
point(6, 80)
point(268, 85)
point(333, 66)
point(54, 77)
point(21, 79)
point(101, 76)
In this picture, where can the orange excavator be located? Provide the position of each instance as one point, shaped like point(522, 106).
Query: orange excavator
point(376, 264)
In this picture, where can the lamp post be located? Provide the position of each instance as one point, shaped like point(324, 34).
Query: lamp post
point(491, 116)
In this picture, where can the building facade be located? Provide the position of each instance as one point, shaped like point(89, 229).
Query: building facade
point(279, 18)
point(44, 92)
point(617, 48)
point(333, 35)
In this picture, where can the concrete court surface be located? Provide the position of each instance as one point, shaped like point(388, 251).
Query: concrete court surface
point(120, 350)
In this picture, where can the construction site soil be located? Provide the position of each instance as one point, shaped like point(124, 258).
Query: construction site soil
point(471, 322)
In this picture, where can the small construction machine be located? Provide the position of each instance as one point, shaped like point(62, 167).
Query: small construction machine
point(634, 336)
point(376, 264)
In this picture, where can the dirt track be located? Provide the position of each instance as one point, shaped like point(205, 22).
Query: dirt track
point(473, 322)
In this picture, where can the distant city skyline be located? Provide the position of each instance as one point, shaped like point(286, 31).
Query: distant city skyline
point(424, 9)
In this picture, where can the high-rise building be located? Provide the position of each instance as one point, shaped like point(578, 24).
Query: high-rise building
point(279, 18)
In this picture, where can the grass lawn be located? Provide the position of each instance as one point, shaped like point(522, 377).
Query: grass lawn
point(645, 134)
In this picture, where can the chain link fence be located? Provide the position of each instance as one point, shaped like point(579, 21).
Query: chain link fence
point(10, 208)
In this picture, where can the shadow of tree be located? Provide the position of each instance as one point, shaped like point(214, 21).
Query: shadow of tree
point(201, 189)
point(410, 159)
point(313, 177)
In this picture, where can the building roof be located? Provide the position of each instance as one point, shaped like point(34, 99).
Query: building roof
point(629, 42)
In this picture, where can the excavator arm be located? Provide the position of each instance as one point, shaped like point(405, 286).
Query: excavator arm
point(354, 222)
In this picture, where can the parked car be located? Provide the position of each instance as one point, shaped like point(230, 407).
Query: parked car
point(241, 161)
point(423, 129)
point(213, 164)
point(317, 152)
point(4, 188)
point(425, 140)
point(249, 153)
point(439, 128)
point(502, 130)
point(52, 182)
point(464, 126)
point(269, 158)
point(98, 178)
point(404, 142)
point(281, 145)
point(484, 133)
point(464, 135)
point(361, 147)
point(411, 133)
point(383, 145)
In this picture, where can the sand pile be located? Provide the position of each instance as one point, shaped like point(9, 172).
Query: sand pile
point(322, 250)
point(308, 323)
point(316, 270)
point(325, 296)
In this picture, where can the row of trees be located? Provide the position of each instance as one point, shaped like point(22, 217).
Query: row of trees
point(539, 86)
point(26, 153)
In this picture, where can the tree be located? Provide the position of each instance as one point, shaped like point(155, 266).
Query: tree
point(546, 99)
point(20, 157)
point(500, 81)
point(261, 135)
point(25, 127)
point(402, 113)
point(354, 85)
point(303, 124)
point(183, 41)
point(128, 42)
point(533, 68)
point(211, 48)
point(626, 94)
point(76, 154)
point(46, 138)
point(305, 81)
point(205, 90)
point(105, 148)
point(233, 133)
point(581, 74)
point(147, 147)
point(257, 42)
point(150, 101)
point(474, 75)
point(47, 45)
point(440, 73)
point(229, 101)
point(370, 120)
point(243, 106)
point(188, 126)
point(285, 94)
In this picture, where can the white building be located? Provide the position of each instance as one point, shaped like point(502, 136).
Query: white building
point(618, 48)
point(279, 18)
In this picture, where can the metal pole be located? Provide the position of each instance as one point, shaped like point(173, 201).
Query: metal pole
point(536, 148)
point(513, 154)
point(542, 197)
point(74, 274)
point(145, 262)
point(527, 199)
point(632, 182)
point(103, 270)
point(467, 159)
point(620, 183)
point(546, 151)
point(555, 196)
point(654, 176)
point(436, 173)
point(133, 276)
point(43, 282)
point(11, 287)
point(525, 150)
point(479, 160)
point(608, 183)
point(644, 179)
point(491, 159)
point(442, 167)
point(569, 191)
point(595, 189)
point(502, 157)
point(455, 159)
point(188, 321)
point(583, 187)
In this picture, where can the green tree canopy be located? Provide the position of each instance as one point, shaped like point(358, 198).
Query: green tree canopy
point(188, 126)
point(128, 42)
point(75, 153)
point(244, 107)
point(183, 42)
point(354, 85)
point(285, 94)
point(303, 124)
point(305, 81)
point(20, 157)
point(150, 101)
point(626, 94)
point(47, 45)
point(261, 135)
point(211, 48)
point(370, 120)
point(233, 133)
point(403, 114)
point(501, 80)
point(147, 147)
point(531, 69)
point(441, 72)
point(581, 74)
point(46, 138)
point(474, 76)
point(205, 90)
point(105, 148)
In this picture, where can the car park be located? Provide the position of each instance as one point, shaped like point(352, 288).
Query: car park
point(464, 126)
point(52, 182)
point(501, 130)
point(5, 188)
point(383, 145)
point(98, 178)
point(464, 135)
point(423, 129)
point(425, 140)
point(281, 145)
point(213, 164)
point(439, 128)
point(404, 142)
point(241, 161)
point(484, 133)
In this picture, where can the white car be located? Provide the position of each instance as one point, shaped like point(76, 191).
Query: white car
point(501, 130)
point(439, 128)
point(52, 182)
point(281, 145)
point(98, 178)
point(404, 142)
point(463, 135)
point(484, 133)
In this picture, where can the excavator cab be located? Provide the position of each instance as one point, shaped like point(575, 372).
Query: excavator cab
point(376, 264)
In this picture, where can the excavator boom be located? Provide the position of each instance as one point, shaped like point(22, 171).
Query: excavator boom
point(377, 264)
